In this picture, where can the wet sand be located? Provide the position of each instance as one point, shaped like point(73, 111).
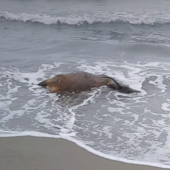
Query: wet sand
point(37, 153)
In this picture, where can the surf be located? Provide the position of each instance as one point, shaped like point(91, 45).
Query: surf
point(70, 118)
point(80, 19)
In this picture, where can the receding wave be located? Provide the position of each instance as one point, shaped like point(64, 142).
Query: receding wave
point(98, 17)
point(124, 127)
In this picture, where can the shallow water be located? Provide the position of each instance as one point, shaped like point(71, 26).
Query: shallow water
point(128, 40)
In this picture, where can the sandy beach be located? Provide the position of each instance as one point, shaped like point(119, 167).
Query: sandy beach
point(37, 153)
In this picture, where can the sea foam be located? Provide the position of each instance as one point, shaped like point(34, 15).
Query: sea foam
point(128, 120)
point(98, 17)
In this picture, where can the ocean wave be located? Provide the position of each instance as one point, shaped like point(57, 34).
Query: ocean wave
point(96, 129)
point(98, 17)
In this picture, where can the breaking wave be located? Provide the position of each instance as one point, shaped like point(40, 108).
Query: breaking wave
point(97, 17)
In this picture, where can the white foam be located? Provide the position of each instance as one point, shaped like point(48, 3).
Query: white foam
point(96, 17)
point(166, 106)
point(81, 144)
point(159, 83)
point(50, 115)
point(110, 69)
point(112, 110)
point(107, 130)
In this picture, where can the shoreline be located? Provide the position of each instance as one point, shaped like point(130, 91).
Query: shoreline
point(33, 153)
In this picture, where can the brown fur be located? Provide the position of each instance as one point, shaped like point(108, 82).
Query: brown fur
point(80, 81)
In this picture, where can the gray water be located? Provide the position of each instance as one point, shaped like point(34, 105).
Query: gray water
point(128, 40)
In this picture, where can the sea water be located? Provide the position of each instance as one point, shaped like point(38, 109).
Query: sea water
point(127, 40)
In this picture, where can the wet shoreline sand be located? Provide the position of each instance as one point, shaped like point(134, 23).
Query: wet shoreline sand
point(38, 153)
